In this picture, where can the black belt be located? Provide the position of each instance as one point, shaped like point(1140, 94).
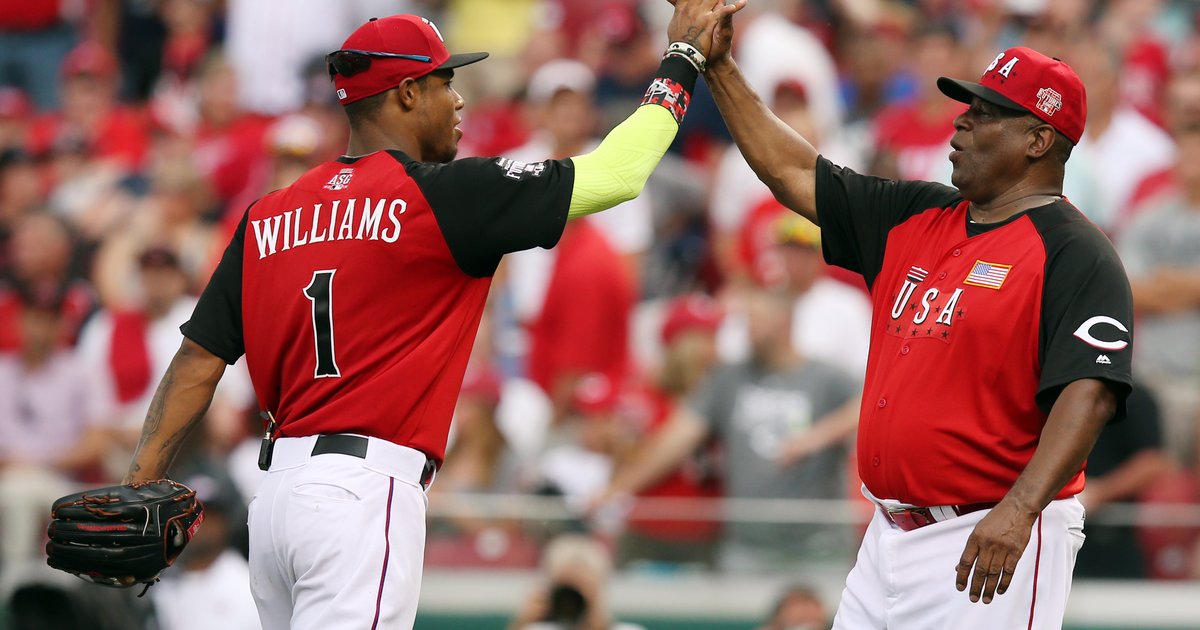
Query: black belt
point(356, 446)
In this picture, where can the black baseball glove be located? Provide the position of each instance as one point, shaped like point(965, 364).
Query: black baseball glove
point(123, 535)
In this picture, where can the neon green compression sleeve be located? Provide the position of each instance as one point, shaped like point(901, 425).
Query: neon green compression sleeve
point(617, 170)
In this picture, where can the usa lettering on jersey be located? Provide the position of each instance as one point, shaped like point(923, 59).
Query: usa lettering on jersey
point(349, 219)
point(923, 308)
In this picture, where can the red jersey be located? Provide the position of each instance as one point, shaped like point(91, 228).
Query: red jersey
point(584, 323)
point(121, 136)
point(356, 292)
point(976, 329)
point(696, 478)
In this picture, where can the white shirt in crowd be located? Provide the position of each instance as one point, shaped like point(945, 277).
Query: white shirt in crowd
point(831, 322)
point(222, 590)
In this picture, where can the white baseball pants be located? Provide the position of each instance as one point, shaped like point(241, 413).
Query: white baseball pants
point(337, 541)
point(906, 580)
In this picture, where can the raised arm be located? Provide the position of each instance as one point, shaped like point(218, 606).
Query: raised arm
point(781, 158)
point(617, 170)
point(182, 397)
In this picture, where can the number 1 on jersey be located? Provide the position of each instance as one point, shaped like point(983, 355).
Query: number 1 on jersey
point(320, 292)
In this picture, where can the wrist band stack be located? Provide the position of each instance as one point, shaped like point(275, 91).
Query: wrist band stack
point(688, 52)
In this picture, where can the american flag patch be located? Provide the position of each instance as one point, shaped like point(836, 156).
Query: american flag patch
point(916, 274)
point(986, 274)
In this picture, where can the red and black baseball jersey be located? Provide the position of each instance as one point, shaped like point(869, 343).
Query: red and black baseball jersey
point(356, 292)
point(976, 330)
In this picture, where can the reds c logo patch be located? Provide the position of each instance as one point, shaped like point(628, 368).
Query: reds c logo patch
point(1084, 332)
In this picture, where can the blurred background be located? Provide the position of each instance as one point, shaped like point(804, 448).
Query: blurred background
point(134, 133)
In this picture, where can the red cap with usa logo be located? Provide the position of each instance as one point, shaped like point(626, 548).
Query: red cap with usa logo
point(382, 53)
point(1024, 79)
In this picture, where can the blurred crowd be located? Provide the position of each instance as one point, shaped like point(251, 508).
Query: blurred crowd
point(687, 346)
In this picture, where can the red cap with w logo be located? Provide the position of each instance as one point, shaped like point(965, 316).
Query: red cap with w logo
point(1024, 79)
point(398, 47)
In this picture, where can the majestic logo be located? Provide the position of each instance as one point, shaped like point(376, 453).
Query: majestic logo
point(1084, 332)
point(518, 170)
point(341, 181)
point(986, 274)
point(1049, 101)
point(341, 94)
point(1103, 360)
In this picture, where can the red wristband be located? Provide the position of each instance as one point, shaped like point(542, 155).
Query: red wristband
point(670, 94)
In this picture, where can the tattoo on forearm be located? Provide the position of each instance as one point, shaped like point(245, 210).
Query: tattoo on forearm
point(154, 423)
point(154, 414)
point(692, 36)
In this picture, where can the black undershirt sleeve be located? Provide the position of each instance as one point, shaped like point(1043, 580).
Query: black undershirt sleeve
point(856, 213)
point(1087, 308)
point(488, 207)
point(216, 323)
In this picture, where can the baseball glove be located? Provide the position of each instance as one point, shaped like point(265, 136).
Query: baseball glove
point(123, 535)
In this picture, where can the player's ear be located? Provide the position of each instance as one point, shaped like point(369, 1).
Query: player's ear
point(1041, 140)
point(408, 93)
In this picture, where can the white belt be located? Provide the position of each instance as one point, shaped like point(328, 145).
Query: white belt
point(389, 458)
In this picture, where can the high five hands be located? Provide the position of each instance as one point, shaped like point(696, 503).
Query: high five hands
point(705, 24)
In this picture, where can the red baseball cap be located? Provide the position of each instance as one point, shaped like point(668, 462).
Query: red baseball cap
point(398, 47)
point(691, 312)
point(89, 58)
point(594, 395)
point(1026, 80)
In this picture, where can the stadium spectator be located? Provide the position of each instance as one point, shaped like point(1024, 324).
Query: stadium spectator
point(91, 118)
point(583, 323)
point(176, 214)
point(1120, 146)
point(783, 421)
point(798, 608)
point(688, 335)
point(573, 596)
point(1161, 253)
point(53, 429)
point(912, 138)
point(127, 347)
point(831, 321)
point(15, 114)
point(42, 257)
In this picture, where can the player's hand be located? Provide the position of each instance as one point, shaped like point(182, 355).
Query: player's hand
point(695, 22)
point(993, 550)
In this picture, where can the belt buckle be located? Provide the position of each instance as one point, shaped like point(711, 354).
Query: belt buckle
point(910, 518)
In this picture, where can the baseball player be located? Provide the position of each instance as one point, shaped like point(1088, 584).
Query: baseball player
point(1000, 346)
point(355, 294)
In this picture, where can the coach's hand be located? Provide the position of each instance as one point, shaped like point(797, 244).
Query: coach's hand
point(994, 549)
point(695, 22)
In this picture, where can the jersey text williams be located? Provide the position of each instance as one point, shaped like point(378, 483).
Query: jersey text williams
point(357, 219)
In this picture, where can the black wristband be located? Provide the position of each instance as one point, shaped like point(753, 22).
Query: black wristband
point(672, 86)
point(679, 70)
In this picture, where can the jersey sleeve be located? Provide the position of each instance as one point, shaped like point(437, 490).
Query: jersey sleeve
point(488, 207)
point(1087, 315)
point(216, 322)
point(856, 212)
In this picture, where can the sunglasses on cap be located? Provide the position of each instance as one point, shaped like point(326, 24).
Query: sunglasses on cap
point(349, 62)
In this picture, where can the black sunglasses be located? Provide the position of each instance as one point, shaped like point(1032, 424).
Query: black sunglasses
point(349, 62)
